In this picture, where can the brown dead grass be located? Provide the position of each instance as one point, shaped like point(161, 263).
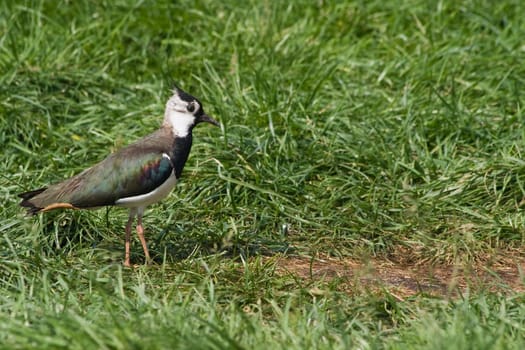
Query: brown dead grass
point(402, 277)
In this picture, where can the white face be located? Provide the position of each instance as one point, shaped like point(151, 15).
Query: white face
point(180, 115)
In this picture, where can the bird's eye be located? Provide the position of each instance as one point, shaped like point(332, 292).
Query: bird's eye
point(190, 107)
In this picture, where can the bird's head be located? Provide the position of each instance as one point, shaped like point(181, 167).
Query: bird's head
point(183, 112)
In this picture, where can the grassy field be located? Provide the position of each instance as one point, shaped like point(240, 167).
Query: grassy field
point(365, 190)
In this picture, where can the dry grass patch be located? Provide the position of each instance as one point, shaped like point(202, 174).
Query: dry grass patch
point(501, 273)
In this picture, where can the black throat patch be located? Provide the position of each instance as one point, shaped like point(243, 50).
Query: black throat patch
point(180, 153)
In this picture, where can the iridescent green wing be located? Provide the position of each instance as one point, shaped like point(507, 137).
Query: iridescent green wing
point(120, 176)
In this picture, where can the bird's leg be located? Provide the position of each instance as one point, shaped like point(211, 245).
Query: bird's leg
point(140, 233)
point(128, 240)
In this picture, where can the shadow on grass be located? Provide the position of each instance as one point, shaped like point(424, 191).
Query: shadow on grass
point(67, 232)
point(186, 247)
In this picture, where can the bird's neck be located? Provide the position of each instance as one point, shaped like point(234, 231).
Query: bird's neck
point(180, 152)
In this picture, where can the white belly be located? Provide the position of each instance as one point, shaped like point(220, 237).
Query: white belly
point(146, 199)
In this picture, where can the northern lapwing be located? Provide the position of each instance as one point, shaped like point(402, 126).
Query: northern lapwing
point(134, 177)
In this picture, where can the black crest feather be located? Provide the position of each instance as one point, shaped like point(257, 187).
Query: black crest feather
point(184, 95)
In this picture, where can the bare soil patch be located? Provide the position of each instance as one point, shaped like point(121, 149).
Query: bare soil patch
point(501, 273)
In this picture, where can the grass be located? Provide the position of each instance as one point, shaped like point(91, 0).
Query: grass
point(349, 129)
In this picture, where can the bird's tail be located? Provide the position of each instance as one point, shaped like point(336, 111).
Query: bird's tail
point(32, 209)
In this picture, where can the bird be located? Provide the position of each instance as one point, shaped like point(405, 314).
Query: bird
point(134, 177)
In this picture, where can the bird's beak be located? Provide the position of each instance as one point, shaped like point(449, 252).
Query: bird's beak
point(208, 119)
